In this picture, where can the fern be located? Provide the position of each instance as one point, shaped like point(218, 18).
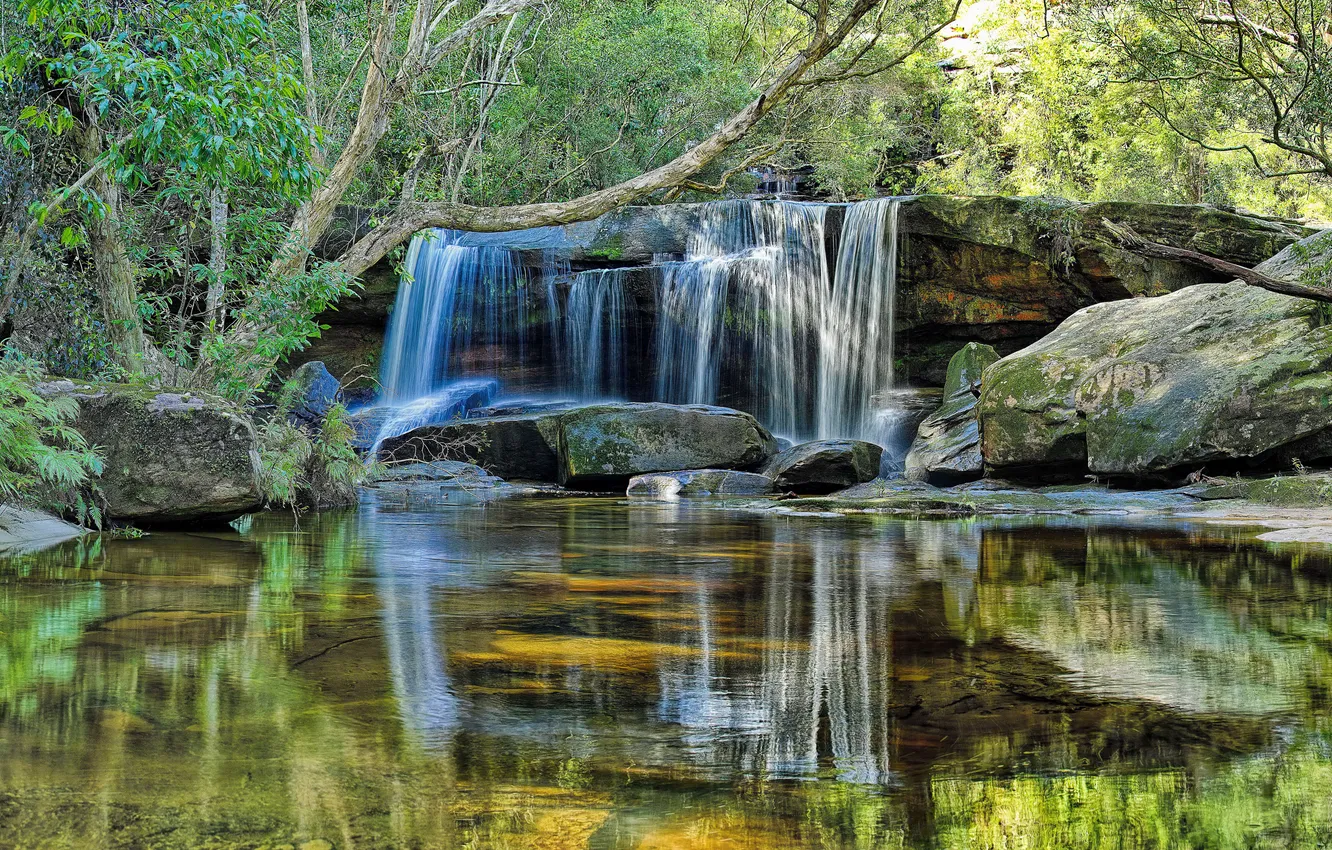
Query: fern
point(299, 469)
point(41, 454)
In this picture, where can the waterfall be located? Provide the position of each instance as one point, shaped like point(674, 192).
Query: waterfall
point(454, 301)
point(751, 290)
point(755, 316)
point(856, 340)
point(594, 334)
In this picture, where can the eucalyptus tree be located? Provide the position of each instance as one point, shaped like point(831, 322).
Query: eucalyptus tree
point(1249, 76)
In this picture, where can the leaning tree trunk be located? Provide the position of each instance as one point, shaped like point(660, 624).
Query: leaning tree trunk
point(116, 287)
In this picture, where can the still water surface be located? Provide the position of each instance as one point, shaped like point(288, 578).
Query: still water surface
point(540, 673)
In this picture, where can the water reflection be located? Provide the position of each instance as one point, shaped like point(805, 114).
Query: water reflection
point(593, 673)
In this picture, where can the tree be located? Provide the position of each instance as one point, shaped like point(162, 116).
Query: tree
point(1264, 68)
point(178, 92)
point(817, 43)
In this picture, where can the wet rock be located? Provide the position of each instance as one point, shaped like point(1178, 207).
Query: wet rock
point(170, 457)
point(700, 482)
point(1211, 374)
point(312, 393)
point(947, 445)
point(523, 448)
point(366, 424)
point(439, 470)
point(26, 530)
point(606, 445)
point(823, 466)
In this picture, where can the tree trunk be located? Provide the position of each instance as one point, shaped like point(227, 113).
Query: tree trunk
point(117, 290)
point(307, 78)
point(217, 259)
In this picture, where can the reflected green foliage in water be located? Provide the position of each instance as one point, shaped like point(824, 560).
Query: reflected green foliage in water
point(599, 674)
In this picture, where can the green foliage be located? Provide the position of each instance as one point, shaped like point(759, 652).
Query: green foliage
point(39, 450)
point(300, 469)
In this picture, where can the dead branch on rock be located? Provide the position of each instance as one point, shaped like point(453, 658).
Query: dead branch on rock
point(1125, 237)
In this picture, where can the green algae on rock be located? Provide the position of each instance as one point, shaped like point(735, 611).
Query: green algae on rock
point(1146, 387)
point(947, 445)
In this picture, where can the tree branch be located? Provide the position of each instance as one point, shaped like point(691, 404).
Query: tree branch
point(1130, 241)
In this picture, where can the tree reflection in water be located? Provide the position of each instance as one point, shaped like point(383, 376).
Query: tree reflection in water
point(596, 673)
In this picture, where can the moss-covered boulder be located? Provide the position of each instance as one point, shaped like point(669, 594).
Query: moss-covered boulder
point(824, 466)
point(947, 445)
point(169, 457)
point(607, 444)
point(699, 482)
point(1148, 387)
point(521, 448)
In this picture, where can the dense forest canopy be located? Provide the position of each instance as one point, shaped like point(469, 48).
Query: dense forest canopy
point(171, 169)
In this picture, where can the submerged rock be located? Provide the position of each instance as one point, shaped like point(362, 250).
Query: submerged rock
point(947, 445)
point(700, 482)
point(439, 470)
point(1215, 373)
point(607, 444)
point(313, 391)
point(823, 466)
point(170, 457)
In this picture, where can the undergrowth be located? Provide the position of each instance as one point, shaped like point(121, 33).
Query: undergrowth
point(302, 468)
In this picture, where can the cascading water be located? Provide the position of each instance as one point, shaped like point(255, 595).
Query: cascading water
point(752, 317)
point(454, 301)
point(751, 289)
point(856, 338)
point(594, 334)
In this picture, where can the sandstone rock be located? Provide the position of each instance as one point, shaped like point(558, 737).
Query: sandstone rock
point(699, 482)
point(947, 445)
point(170, 457)
point(313, 391)
point(26, 530)
point(823, 466)
point(1214, 373)
point(523, 447)
point(607, 444)
point(1006, 270)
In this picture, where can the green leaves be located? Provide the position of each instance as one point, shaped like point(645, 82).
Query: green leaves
point(38, 447)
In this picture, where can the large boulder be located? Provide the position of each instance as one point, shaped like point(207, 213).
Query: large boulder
point(1216, 373)
point(607, 444)
point(27, 530)
point(311, 392)
point(823, 466)
point(699, 482)
point(168, 457)
point(947, 445)
point(522, 448)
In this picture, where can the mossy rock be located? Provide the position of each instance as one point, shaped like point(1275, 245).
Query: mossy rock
point(606, 445)
point(1214, 373)
point(947, 445)
point(169, 457)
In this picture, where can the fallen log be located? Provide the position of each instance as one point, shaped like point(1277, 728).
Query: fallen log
point(1126, 238)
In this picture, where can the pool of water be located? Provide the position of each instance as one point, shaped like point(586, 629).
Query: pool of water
point(543, 673)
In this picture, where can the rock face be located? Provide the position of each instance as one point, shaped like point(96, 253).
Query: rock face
point(823, 466)
point(314, 392)
point(522, 448)
point(598, 446)
point(170, 457)
point(1006, 270)
point(947, 445)
point(699, 482)
point(1212, 374)
point(610, 443)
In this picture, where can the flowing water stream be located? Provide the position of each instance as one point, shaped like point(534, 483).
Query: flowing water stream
point(433, 672)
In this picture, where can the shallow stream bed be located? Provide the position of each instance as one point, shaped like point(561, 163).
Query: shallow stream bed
point(569, 673)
